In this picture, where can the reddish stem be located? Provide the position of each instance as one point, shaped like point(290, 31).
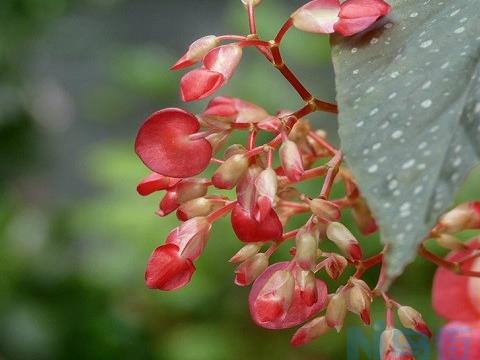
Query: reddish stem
point(453, 266)
point(251, 18)
point(283, 30)
point(231, 38)
point(322, 142)
point(331, 174)
point(217, 214)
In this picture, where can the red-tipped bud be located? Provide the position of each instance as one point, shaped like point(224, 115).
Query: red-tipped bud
point(317, 16)
point(275, 298)
point(363, 217)
point(164, 144)
point(191, 237)
point(291, 160)
point(310, 331)
point(335, 265)
point(412, 319)
point(308, 286)
point(169, 203)
point(325, 209)
point(394, 346)
point(344, 239)
point(250, 269)
point(167, 269)
point(306, 250)
point(463, 217)
point(266, 186)
point(450, 242)
point(359, 300)
point(228, 174)
point(336, 311)
point(245, 252)
point(357, 15)
point(189, 189)
point(233, 110)
point(155, 182)
point(196, 52)
point(202, 206)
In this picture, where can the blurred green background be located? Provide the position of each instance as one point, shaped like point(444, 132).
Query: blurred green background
point(77, 78)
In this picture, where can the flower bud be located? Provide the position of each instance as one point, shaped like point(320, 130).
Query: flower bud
point(196, 52)
point(155, 182)
point(336, 311)
point(310, 331)
point(325, 209)
point(245, 252)
point(191, 237)
point(228, 174)
point(234, 110)
point(317, 16)
point(271, 124)
point(308, 286)
point(250, 269)
point(291, 160)
point(275, 298)
point(463, 217)
point(306, 250)
point(189, 189)
point(363, 217)
point(394, 346)
point(218, 139)
point(344, 239)
point(266, 189)
point(168, 203)
point(359, 300)
point(450, 242)
point(202, 206)
point(335, 266)
point(412, 319)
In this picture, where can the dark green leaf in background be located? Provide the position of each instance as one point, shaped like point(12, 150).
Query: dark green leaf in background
point(409, 98)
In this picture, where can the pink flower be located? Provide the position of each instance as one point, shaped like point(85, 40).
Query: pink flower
point(233, 110)
point(196, 52)
point(348, 18)
point(457, 297)
point(164, 145)
point(460, 341)
point(218, 67)
point(275, 305)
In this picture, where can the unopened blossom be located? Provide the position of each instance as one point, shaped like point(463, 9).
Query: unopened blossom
point(230, 172)
point(463, 217)
point(197, 51)
point(250, 269)
point(394, 346)
point(344, 239)
point(310, 331)
point(412, 319)
point(336, 311)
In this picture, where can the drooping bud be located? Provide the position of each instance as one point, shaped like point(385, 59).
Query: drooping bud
point(463, 217)
point(308, 286)
point(167, 269)
point(245, 252)
point(359, 300)
point(266, 186)
point(291, 160)
point(310, 331)
point(189, 189)
point(233, 110)
point(191, 237)
point(335, 265)
point(250, 269)
point(336, 311)
point(275, 298)
point(196, 52)
point(344, 239)
point(450, 242)
point(325, 209)
point(412, 319)
point(317, 16)
point(306, 250)
point(155, 182)
point(394, 346)
point(228, 174)
point(202, 206)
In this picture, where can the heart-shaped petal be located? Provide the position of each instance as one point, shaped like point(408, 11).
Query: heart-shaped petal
point(248, 229)
point(167, 270)
point(452, 294)
point(460, 341)
point(298, 312)
point(164, 145)
point(200, 83)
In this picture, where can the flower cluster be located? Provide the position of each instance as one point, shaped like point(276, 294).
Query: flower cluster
point(178, 146)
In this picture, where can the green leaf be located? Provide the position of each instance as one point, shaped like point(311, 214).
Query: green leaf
point(409, 99)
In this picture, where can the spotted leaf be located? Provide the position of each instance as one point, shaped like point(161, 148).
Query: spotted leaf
point(409, 99)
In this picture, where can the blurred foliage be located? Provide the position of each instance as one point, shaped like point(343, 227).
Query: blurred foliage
point(75, 236)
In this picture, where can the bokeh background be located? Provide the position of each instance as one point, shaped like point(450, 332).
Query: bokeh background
point(77, 78)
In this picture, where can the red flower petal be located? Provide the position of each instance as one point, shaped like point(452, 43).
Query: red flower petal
point(317, 16)
point(155, 182)
point(354, 9)
point(248, 229)
point(167, 270)
point(224, 60)
point(451, 293)
point(164, 145)
point(460, 341)
point(348, 27)
point(298, 312)
point(200, 83)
